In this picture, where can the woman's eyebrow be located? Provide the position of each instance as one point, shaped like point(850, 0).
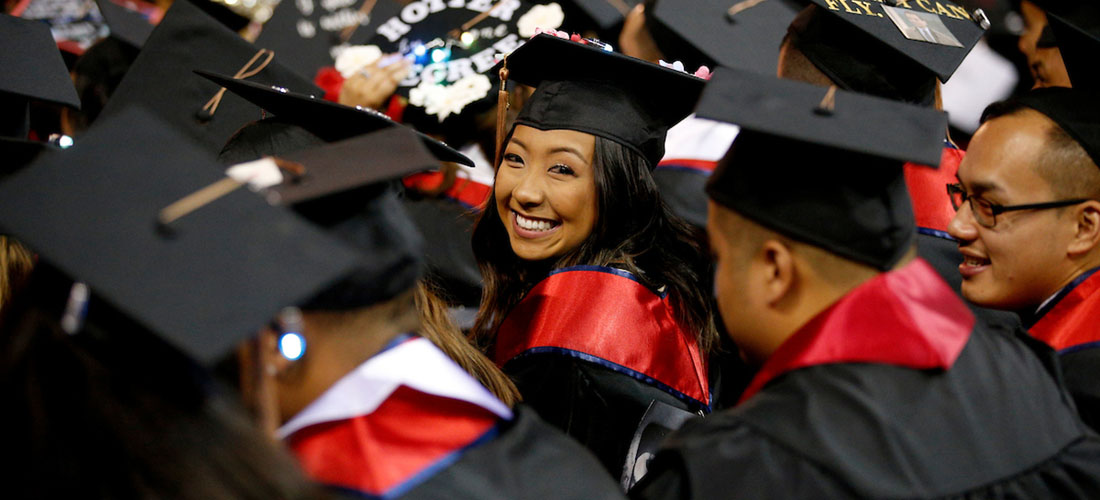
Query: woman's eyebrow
point(570, 150)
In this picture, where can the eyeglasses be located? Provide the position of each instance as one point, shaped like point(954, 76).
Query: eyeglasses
point(986, 213)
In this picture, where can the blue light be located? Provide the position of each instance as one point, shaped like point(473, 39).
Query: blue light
point(440, 55)
point(292, 346)
point(420, 50)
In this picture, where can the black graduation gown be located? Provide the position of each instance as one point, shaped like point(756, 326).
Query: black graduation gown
point(590, 350)
point(391, 429)
point(1070, 323)
point(894, 422)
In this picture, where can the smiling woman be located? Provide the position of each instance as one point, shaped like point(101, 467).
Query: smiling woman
point(595, 297)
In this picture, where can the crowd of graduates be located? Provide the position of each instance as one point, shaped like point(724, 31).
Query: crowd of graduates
point(497, 249)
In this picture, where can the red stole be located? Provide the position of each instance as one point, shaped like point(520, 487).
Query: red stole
point(469, 193)
point(1074, 319)
point(908, 317)
point(407, 438)
point(603, 315)
point(928, 190)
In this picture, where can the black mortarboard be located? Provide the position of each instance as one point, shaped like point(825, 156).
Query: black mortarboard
point(329, 120)
point(861, 47)
point(606, 94)
point(1077, 30)
point(343, 187)
point(125, 24)
point(1076, 111)
point(821, 165)
point(703, 32)
point(161, 79)
point(32, 70)
point(206, 279)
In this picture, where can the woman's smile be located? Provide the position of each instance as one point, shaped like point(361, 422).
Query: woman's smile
point(533, 227)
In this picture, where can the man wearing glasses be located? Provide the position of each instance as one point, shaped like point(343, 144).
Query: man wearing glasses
point(1028, 226)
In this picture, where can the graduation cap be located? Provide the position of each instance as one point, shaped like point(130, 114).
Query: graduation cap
point(451, 46)
point(161, 78)
point(821, 165)
point(32, 70)
point(126, 25)
point(744, 35)
point(1077, 30)
point(344, 188)
point(127, 211)
point(586, 88)
point(329, 120)
point(892, 49)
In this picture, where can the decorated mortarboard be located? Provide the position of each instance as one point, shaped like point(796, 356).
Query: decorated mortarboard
point(32, 70)
point(584, 86)
point(329, 120)
point(894, 49)
point(162, 81)
point(1075, 110)
point(73, 24)
point(142, 215)
point(745, 34)
point(343, 187)
point(125, 24)
point(1077, 30)
point(451, 47)
point(821, 165)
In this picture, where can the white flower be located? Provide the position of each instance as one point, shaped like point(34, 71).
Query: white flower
point(548, 16)
point(676, 65)
point(355, 58)
point(444, 100)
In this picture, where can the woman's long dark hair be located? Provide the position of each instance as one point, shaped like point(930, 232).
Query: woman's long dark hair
point(635, 231)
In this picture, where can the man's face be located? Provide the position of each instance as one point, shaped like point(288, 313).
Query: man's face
point(1045, 64)
point(738, 298)
point(1020, 261)
point(915, 20)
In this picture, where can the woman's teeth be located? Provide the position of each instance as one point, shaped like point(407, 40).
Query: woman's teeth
point(532, 224)
point(974, 261)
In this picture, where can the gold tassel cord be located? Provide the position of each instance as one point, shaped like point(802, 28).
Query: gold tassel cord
point(246, 71)
point(502, 109)
point(740, 7)
point(212, 192)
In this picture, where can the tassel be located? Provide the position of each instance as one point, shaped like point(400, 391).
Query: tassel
point(502, 109)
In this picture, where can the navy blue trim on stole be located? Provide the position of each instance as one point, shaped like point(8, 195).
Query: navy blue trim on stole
point(608, 270)
point(935, 233)
point(693, 403)
point(1062, 294)
point(678, 168)
point(426, 473)
point(1080, 347)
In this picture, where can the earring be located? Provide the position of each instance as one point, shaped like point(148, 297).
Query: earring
point(292, 345)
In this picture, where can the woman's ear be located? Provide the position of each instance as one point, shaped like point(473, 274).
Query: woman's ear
point(779, 271)
point(258, 359)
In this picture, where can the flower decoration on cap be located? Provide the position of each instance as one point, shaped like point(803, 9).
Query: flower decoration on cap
point(703, 71)
point(540, 16)
point(353, 58)
point(444, 100)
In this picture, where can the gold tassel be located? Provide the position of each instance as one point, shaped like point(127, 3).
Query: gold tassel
point(502, 109)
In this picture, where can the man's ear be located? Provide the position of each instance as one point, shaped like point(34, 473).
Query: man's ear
point(1087, 236)
point(778, 264)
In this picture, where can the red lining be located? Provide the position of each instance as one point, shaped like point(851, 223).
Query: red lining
point(928, 190)
point(374, 453)
point(908, 318)
point(468, 192)
point(611, 317)
point(700, 165)
point(1075, 319)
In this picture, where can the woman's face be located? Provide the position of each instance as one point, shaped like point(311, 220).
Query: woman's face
point(546, 191)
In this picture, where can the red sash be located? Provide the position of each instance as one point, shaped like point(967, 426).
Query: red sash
point(603, 315)
point(928, 190)
point(389, 451)
point(908, 318)
point(1074, 319)
point(469, 193)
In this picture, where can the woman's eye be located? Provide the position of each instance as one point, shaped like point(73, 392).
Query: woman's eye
point(513, 158)
point(561, 169)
